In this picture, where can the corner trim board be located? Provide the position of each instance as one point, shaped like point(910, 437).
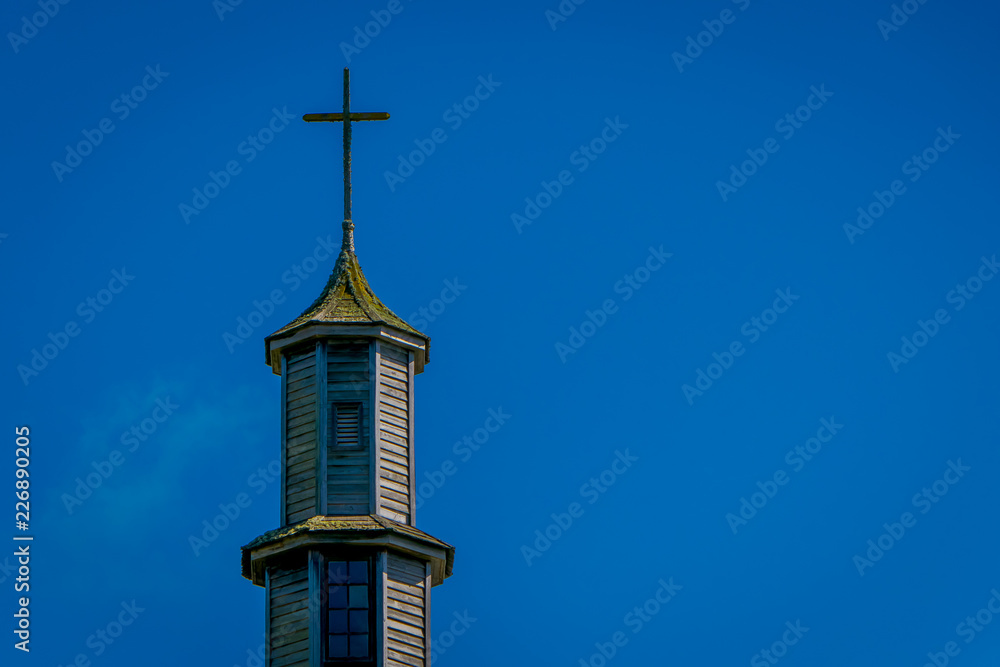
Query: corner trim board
point(322, 418)
point(284, 440)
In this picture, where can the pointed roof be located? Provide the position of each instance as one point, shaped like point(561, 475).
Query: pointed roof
point(346, 299)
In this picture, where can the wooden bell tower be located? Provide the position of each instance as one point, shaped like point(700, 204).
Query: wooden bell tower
point(347, 574)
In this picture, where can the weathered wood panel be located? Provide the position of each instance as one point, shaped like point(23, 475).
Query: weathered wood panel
point(288, 616)
point(348, 477)
point(394, 380)
point(300, 436)
point(406, 622)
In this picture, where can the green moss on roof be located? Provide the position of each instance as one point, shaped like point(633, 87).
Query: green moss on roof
point(373, 524)
point(347, 298)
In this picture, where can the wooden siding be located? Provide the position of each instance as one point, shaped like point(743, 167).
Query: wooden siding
point(394, 380)
point(288, 616)
point(406, 612)
point(349, 468)
point(300, 436)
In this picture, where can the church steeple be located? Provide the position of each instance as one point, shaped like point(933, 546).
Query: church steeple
point(347, 297)
point(347, 574)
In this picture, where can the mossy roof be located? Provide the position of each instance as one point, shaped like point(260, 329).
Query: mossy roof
point(348, 299)
point(369, 524)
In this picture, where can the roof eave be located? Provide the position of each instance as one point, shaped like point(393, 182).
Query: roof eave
point(439, 554)
point(276, 342)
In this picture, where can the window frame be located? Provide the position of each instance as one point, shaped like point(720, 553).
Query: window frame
point(324, 563)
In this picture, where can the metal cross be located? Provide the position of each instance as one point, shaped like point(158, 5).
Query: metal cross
point(346, 118)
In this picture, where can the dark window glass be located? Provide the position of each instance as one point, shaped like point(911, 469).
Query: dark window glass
point(338, 597)
point(359, 646)
point(338, 621)
point(359, 621)
point(338, 572)
point(359, 572)
point(358, 598)
point(349, 613)
point(338, 646)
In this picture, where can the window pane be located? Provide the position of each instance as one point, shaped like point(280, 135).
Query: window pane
point(359, 621)
point(358, 597)
point(338, 646)
point(359, 572)
point(359, 646)
point(338, 573)
point(338, 621)
point(338, 597)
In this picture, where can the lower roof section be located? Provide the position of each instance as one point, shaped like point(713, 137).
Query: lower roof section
point(360, 530)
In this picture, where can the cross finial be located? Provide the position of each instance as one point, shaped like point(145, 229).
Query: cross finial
point(346, 117)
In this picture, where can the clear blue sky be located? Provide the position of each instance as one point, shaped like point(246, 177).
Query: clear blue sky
point(674, 198)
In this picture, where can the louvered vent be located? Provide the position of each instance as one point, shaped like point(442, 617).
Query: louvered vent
point(346, 427)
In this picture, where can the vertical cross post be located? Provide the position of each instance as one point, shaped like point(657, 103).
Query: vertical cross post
point(347, 117)
point(347, 144)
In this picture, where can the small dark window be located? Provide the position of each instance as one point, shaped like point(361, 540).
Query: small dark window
point(345, 425)
point(349, 611)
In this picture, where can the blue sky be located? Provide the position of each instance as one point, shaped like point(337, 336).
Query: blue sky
point(661, 279)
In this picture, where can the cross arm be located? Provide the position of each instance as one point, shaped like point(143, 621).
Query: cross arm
point(335, 117)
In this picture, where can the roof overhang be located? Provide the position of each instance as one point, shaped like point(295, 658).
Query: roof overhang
point(273, 345)
point(375, 532)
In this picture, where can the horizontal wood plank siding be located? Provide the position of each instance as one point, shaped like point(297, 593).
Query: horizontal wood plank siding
point(288, 622)
point(300, 436)
point(394, 433)
point(406, 624)
point(349, 468)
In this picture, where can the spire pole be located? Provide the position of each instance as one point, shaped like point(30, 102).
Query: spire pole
point(347, 118)
point(348, 223)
